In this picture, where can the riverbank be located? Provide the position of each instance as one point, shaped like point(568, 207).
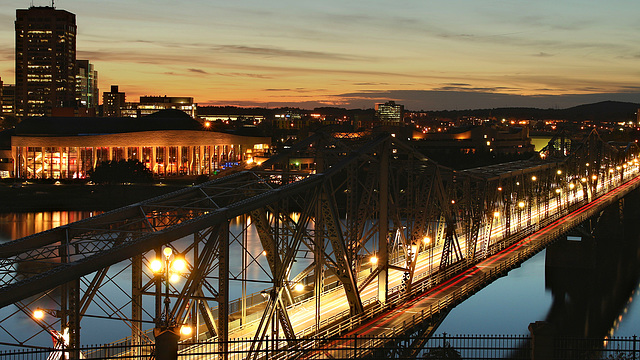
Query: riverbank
point(27, 197)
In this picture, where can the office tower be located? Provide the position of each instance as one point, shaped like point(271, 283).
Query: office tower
point(113, 102)
point(87, 94)
point(45, 60)
point(152, 104)
point(8, 99)
point(390, 113)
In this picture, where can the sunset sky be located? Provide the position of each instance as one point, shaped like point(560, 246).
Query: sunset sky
point(425, 54)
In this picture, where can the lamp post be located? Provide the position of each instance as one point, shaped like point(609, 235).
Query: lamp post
point(60, 338)
point(167, 331)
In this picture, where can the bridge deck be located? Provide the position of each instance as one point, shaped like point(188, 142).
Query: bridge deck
point(424, 307)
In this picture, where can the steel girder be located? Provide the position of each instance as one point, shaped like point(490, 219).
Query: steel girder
point(369, 196)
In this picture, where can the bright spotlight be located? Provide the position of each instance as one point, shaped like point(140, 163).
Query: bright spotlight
point(186, 330)
point(155, 265)
point(178, 265)
point(38, 314)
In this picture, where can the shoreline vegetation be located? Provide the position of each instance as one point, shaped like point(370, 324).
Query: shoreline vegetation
point(16, 197)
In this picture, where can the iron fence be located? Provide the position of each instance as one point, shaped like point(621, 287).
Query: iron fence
point(480, 347)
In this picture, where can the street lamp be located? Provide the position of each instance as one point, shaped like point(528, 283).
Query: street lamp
point(167, 332)
point(39, 313)
point(60, 338)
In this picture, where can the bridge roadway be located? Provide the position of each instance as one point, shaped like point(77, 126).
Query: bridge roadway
point(426, 305)
point(405, 315)
point(434, 300)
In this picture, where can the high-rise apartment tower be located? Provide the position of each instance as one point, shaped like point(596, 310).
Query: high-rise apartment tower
point(45, 60)
point(113, 102)
point(87, 94)
point(390, 113)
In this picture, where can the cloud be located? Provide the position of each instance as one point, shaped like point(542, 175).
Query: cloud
point(470, 88)
point(198, 71)
point(249, 75)
point(542, 54)
point(460, 100)
point(298, 91)
point(279, 52)
point(371, 84)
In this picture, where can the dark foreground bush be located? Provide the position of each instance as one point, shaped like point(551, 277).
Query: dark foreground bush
point(122, 171)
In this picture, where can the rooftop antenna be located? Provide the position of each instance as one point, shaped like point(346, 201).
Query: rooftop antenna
point(52, 1)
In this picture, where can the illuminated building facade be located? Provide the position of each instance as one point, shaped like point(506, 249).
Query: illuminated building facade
point(471, 139)
point(389, 113)
point(8, 99)
point(152, 104)
point(87, 94)
point(45, 60)
point(113, 102)
point(168, 143)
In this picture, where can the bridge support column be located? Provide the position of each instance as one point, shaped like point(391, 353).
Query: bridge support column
point(223, 291)
point(542, 338)
point(383, 227)
point(167, 343)
point(136, 303)
point(74, 318)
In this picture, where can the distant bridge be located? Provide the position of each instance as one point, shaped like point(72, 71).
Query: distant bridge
point(373, 227)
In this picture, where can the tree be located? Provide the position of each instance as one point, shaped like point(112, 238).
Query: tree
point(122, 171)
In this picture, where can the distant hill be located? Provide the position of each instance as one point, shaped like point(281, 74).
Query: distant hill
point(602, 111)
point(598, 112)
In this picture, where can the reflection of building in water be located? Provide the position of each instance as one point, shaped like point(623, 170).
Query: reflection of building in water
point(168, 143)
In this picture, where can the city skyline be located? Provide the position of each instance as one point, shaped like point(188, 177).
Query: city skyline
point(425, 55)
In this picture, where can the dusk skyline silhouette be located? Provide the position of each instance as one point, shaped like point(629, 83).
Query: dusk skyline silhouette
point(425, 54)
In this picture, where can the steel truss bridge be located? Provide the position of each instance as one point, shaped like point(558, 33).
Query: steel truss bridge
point(276, 252)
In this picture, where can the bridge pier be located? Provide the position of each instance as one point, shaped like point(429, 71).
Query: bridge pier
point(542, 339)
point(576, 250)
point(166, 343)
